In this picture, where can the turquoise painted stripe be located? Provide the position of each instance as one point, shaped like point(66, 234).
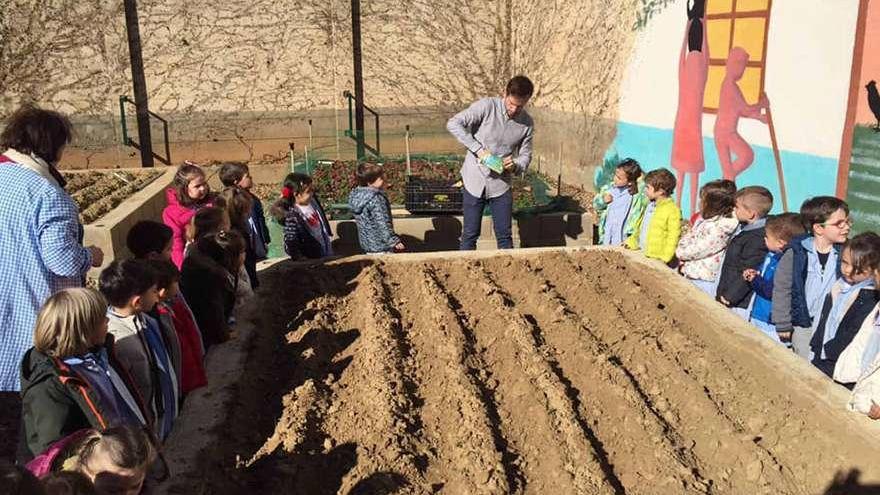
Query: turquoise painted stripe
point(805, 175)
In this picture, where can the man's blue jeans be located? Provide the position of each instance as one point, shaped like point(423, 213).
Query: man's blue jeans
point(502, 211)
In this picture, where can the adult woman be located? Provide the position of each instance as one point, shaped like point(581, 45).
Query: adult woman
point(41, 248)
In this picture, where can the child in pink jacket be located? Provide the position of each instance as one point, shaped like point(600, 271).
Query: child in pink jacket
point(189, 193)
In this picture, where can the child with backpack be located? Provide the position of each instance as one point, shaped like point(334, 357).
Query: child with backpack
point(306, 229)
point(621, 203)
point(658, 231)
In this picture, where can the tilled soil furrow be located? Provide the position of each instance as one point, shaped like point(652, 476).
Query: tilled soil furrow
point(386, 425)
point(524, 419)
point(624, 417)
point(694, 358)
point(634, 340)
point(457, 418)
point(586, 459)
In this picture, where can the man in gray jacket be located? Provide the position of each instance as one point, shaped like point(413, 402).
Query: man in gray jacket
point(497, 133)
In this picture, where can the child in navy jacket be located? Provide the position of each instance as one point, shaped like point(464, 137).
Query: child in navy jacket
point(779, 232)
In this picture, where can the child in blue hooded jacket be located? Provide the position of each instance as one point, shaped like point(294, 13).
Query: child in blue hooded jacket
point(372, 211)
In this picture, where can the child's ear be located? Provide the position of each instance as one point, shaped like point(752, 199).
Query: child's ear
point(135, 302)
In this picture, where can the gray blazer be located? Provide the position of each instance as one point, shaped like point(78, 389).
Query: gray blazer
point(485, 125)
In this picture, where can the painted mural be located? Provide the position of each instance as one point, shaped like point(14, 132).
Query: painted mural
point(758, 91)
point(859, 178)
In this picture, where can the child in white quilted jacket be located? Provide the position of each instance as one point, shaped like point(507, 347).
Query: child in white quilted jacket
point(701, 251)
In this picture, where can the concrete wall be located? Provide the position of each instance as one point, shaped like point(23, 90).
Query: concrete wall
point(110, 231)
point(239, 80)
point(443, 233)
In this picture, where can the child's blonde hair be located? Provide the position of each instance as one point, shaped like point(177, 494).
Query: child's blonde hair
point(67, 322)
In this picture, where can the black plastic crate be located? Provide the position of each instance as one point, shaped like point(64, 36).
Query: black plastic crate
point(431, 196)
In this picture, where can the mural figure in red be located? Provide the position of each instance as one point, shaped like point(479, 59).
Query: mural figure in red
point(693, 70)
point(732, 106)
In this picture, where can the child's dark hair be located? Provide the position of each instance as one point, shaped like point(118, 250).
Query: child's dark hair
point(238, 206)
point(661, 180)
point(224, 247)
point(186, 174)
point(367, 173)
point(757, 198)
point(717, 198)
point(68, 483)
point(633, 171)
point(17, 479)
point(819, 209)
point(122, 280)
point(208, 220)
point(520, 86)
point(864, 252)
point(166, 273)
point(148, 237)
point(128, 447)
point(232, 172)
point(785, 226)
point(293, 185)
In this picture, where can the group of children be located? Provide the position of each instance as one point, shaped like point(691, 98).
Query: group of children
point(112, 366)
point(797, 277)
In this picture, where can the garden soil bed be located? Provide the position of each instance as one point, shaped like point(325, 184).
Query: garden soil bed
point(552, 372)
point(97, 193)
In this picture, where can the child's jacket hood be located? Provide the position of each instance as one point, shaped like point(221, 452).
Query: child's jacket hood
point(360, 197)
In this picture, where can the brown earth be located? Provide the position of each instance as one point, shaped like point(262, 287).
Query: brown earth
point(559, 372)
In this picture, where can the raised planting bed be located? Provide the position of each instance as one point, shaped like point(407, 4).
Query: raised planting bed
point(335, 180)
point(96, 193)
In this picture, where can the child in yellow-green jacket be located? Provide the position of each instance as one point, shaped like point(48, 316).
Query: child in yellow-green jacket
point(659, 229)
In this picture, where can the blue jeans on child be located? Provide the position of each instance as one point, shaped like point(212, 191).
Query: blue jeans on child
point(502, 213)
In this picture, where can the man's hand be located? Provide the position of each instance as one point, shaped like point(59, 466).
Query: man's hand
point(508, 164)
point(874, 413)
point(483, 154)
point(608, 198)
point(750, 274)
point(97, 256)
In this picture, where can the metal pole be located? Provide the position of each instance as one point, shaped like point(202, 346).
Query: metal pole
point(408, 162)
point(292, 165)
point(139, 81)
point(311, 144)
point(358, 78)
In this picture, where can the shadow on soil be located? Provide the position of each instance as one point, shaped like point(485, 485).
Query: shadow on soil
point(275, 367)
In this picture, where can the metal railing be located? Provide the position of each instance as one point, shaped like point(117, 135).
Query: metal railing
point(352, 133)
point(128, 141)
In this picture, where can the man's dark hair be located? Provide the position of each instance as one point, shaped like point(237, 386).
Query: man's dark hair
point(819, 209)
point(122, 280)
point(864, 252)
point(232, 172)
point(148, 237)
point(662, 180)
point(34, 130)
point(785, 226)
point(520, 86)
point(367, 173)
point(166, 273)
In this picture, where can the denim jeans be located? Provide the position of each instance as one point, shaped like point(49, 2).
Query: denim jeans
point(502, 211)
